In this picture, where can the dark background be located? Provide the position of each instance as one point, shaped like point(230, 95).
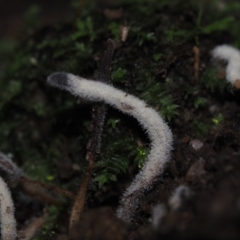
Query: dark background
point(12, 14)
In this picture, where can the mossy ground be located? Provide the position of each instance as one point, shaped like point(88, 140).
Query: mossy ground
point(46, 130)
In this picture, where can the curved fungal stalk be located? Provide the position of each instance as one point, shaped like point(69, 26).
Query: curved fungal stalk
point(8, 222)
point(159, 133)
point(232, 56)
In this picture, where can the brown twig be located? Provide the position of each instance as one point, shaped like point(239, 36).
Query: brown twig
point(48, 187)
point(38, 193)
point(93, 145)
point(33, 227)
point(16, 177)
point(196, 66)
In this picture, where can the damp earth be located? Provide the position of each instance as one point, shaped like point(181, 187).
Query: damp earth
point(163, 56)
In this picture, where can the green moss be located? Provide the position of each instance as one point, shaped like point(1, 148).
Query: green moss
point(114, 28)
point(41, 126)
point(200, 126)
point(119, 75)
point(118, 154)
point(71, 47)
point(218, 119)
point(219, 25)
point(84, 28)
point(40, 114)
point(212, 82)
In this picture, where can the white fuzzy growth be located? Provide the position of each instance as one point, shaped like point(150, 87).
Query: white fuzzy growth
point(232, 56)
point(159, 134)
point(180, 194)
point(8, 223)
point(158, 213)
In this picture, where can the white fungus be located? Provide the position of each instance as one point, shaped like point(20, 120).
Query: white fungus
point(179, 197)
point(8, 222)
point(232, 56)
point(158, 213)
point(196, 144)
point(159, 133)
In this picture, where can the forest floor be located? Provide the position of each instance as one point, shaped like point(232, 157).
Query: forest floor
point(165, 60)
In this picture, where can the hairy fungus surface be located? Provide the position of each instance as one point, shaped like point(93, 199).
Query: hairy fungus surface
point(159, 133)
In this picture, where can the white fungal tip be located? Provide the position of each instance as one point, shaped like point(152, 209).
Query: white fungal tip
point(158, 213)
point(180, 195)
point(232, 56)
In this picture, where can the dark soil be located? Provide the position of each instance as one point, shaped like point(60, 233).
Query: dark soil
point(205, 125)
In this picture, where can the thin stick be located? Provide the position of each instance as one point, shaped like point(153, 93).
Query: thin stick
point(49, 187)
point(38, 193)
point(196, 65)
point(16, 177)
point(34, 226)
point(98, 117)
